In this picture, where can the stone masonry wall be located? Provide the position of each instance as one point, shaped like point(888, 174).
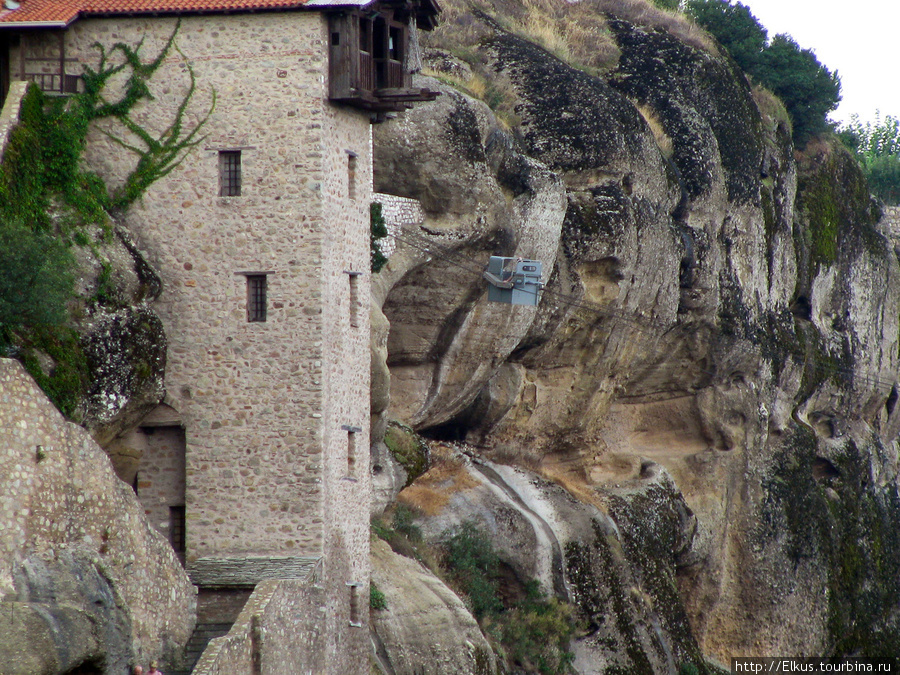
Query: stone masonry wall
point(890, 220)
point(280, 630)
point(270, 409)
point(160, 481)
point(398, 212)
point(347, 180)
point(60, 502)
point(249, 393)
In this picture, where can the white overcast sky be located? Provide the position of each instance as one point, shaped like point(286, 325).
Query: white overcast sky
point(858, 38)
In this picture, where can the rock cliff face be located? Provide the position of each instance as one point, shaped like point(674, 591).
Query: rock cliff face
point(710, 377)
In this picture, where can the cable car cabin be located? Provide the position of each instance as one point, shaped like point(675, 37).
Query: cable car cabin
point(372, 49)
point(514, 281)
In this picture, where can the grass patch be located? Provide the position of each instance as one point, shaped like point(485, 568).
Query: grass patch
point(774, 114)
point(663, 140)
point(432, 491)
point(377, 601)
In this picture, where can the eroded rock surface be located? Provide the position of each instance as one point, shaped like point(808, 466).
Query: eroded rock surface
point(424, 626)
point(712, 367)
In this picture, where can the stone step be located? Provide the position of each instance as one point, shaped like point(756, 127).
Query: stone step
point(203, 633)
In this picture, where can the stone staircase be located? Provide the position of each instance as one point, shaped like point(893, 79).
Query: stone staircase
point(203, 633)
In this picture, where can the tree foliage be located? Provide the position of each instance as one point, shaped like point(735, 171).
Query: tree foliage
point(809, 90)
point(47, 196)
point(378, 232)
point(734, 27)
point(877, 146)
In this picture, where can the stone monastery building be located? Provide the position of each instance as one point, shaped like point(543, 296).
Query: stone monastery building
point(256, 466)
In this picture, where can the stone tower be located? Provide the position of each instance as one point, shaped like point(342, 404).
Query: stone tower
point(256, 465)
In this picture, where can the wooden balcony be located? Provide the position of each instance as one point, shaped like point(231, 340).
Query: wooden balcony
point(366, 63)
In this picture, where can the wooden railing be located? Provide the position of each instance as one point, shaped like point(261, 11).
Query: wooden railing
point(394, 75)
point(54, 83)
point(389, 74)
point(366, 72)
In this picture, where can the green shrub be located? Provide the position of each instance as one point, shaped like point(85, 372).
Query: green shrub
point(537, 633)
point(408, 449)
point(36, 279)
point(376, 597)
point(534, 633)
point(473, 565)
point(402, 520)
point(67, 380)
point(397, 529)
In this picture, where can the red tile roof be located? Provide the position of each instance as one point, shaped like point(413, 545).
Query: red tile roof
point(63, 12)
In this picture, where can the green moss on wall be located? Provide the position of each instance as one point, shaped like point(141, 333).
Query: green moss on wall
point(408, 448)
point(835, 205)
point(851, 528)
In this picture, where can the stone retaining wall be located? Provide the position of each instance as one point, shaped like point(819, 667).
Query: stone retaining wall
point(397, 212)
point(9, 116)
point(279, 631)
point(64, 511)
point(890, 221)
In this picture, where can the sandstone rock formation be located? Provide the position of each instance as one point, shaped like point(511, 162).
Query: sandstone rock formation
point(84, 580)
point(424, 626)
point(720, 322)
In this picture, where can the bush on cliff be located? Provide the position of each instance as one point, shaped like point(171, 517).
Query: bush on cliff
point(809, 90)
point(532, 632)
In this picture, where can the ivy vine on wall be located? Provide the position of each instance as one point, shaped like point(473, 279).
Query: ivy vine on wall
point(47, 196)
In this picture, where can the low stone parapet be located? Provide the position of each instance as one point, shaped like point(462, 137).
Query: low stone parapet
point(280, 630)
point(9, 116)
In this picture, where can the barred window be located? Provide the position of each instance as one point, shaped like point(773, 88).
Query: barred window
point(256, 297)
point(229, 173)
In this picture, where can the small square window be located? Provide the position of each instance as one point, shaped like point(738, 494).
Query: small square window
point(229, 173)
point(256, 297)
